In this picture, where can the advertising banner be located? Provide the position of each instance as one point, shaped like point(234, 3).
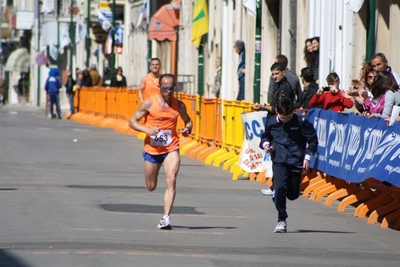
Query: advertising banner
point(355, 148)
point(253, 158)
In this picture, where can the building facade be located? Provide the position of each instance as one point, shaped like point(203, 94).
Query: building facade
point(350, 32)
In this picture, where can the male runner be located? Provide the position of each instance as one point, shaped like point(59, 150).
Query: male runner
point(149, 83)
point(161, 144)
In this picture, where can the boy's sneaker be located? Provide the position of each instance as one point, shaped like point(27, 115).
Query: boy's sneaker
point(281, 227)
point(165, 223)
point(268, 192)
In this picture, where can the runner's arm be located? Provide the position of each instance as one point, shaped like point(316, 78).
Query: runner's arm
point(185, 117)
point(138, 115)
point(141, 88)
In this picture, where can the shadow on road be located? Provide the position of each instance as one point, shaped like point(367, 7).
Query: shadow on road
point(202, 227)
point(8, 260)
point(320, 232)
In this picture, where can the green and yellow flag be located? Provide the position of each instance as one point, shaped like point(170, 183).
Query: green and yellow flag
point(200, 21)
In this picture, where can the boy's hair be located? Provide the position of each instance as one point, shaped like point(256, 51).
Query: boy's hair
point(282, 59)
point(332, 77)
point(285, 106)
point(308, 74)
point(277, 66)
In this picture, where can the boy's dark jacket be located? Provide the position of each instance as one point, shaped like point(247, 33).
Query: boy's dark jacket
point(290, 140)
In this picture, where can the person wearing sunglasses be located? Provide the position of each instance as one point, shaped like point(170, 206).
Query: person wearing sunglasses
point(161, 144)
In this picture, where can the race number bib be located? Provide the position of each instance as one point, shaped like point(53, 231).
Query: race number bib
point(163, 138)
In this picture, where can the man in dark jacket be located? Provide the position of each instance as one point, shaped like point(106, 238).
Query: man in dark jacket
point(281, 88)
point(291, 141)
point(52, 87)
point(291, 78)
point(310, 87)
point(70, 92)
point(241, 70)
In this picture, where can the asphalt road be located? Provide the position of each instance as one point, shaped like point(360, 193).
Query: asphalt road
point(74, 195)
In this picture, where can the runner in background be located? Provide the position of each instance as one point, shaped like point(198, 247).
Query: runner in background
point(149, 85)
point(161, 144)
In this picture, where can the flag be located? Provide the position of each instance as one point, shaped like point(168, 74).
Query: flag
point(142, 21)
point(251, 6)
point(53, 50)
point(119, 35)
point(65, 39)
point(104, 22)
point(108, 45)
point(80, 31)
point(200, 21)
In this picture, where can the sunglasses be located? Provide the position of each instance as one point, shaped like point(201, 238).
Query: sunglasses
point(167, 88)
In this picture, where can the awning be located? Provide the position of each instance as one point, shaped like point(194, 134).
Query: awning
point(18, 60)
point(163, 23)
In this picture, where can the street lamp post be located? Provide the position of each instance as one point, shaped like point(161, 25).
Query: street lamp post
point(112, 59)
point(71, 34)
point(87, 43)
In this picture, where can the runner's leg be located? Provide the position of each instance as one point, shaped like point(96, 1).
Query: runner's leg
point(171, 164)
point(151, 171)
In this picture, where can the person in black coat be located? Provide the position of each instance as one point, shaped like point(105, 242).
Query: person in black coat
point(291, 141)
point(70, 92)
point(310, 87)
point(281, 88)
point(118, 80)
point(86, 79)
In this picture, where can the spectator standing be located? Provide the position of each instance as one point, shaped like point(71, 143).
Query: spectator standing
point(52, 87)
point(331, 97)
point(309, 55)
point(385, 92)
point(282, 88)
point(118, 80)
point(23, 85)
point(315, 64)
point(310, 88)
point(217, 79)
point(149, 84)
point(380, 63)
point(241, 70)
point(291, 141)
point(291, 78)
point(86, 79)
point(363, 83)
point(3, 90)
point(70, 91)
point(96, 77)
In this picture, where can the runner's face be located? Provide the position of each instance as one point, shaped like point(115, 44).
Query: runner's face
point(155, 66)
point(167, 87)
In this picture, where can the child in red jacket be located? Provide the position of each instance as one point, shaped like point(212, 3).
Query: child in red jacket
point(331, 97)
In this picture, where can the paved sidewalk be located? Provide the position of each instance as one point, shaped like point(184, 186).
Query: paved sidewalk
point(74, 195)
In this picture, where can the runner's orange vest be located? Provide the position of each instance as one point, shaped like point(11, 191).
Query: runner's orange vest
point(151, 87)
point(167, 139)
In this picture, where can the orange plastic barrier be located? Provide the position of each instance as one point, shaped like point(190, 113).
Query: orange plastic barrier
point(191, 107)
point(207, 129)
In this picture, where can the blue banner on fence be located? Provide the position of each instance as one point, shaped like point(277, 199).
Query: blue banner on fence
point(355, 148)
